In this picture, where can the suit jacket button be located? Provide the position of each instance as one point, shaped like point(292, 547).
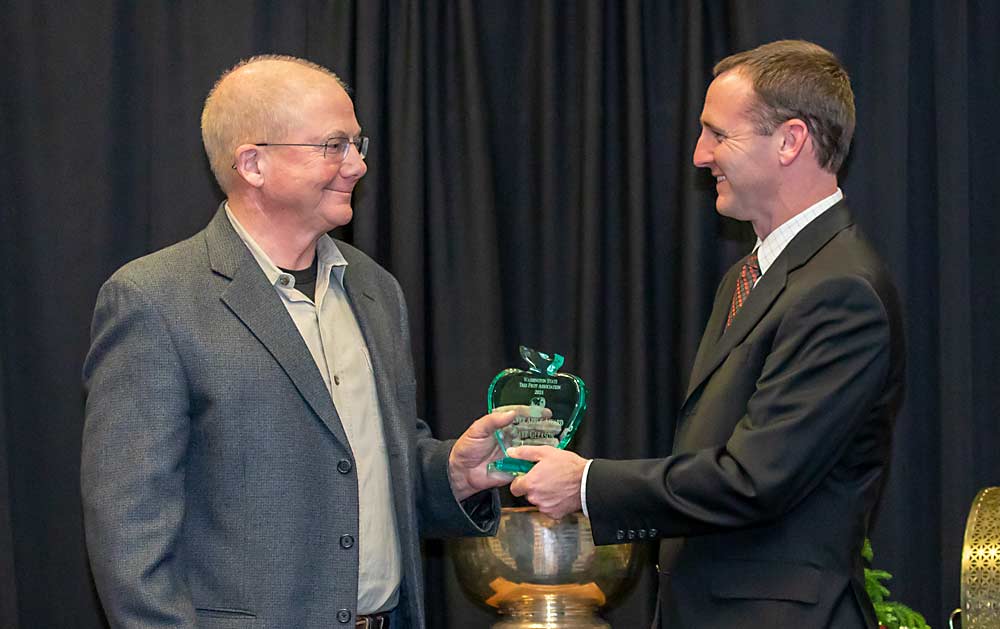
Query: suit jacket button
point(343, 466)
point(631, 533)
point(620, 535)
point(346, 541)
point(343, 616)
point(653, 532)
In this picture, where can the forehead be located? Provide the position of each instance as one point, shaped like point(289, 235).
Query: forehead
point(324, 109)
point(728, 99)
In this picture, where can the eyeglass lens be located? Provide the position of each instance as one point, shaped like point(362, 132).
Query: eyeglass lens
point(339, 147)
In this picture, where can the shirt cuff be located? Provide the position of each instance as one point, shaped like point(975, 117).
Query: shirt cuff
point(583, 488)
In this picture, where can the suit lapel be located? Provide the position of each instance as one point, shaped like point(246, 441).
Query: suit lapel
point(804, 246)
point(714, 328)
point(253, 300)
point(374, 324)
point(758, 303)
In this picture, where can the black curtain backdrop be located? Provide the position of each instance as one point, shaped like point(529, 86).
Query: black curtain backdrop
point(530, 181)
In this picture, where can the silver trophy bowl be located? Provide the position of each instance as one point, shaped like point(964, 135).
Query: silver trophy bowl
point(540, 573)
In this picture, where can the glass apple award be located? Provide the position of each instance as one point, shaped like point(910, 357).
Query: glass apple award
point(540, 386)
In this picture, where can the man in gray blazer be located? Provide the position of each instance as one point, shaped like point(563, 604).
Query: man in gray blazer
point(783, 439)
point(252, 456)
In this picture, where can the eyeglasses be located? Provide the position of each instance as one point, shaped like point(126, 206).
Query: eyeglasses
point(334, 148)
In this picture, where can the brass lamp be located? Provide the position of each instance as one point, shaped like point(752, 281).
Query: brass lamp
point(981, 564)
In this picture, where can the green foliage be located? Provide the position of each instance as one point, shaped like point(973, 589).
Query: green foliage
point(891, 614)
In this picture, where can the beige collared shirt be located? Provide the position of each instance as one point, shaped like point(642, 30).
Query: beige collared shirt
point(331, 332)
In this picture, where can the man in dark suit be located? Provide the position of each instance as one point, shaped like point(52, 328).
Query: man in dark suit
point(784, 436)
point(252, 455)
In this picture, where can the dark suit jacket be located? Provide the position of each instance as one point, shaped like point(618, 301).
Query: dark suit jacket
point(781, 446)
point(219, 488)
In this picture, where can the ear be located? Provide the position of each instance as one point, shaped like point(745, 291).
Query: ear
point(247, 164)
point(793, 135)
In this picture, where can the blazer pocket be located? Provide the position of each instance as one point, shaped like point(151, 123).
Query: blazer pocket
point(222, 618)
point(770, 580)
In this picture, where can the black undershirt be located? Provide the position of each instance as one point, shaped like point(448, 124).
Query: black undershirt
point(305, 280)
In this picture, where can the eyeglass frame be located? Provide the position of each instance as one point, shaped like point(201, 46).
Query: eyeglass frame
point(360, 143)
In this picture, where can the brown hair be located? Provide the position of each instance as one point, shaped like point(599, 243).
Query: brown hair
point(799, 79)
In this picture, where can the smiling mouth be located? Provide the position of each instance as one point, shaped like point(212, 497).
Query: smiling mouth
point(720, 178)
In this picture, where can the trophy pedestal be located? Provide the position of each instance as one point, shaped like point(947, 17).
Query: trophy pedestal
point(549, 611)
point(540, 573)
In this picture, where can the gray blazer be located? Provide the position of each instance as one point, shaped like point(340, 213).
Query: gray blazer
point(219, 488)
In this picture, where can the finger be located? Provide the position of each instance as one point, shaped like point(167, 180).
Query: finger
point(500, 478)
point(550, 510)
point(556, 511)
point(523, 410)
point(529, 453)
point(517, 487)
point(487, 424)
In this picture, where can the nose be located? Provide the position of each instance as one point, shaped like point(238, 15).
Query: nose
point(353, 166)
point(702, 157)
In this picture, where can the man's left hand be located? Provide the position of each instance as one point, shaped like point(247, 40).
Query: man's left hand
point(553, 484)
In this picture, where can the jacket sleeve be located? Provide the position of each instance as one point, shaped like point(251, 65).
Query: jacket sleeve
point(825, 370)
point(133, 461)
point(440, 513)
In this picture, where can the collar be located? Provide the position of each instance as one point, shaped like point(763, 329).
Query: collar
point(771, 247)
point(329, 257)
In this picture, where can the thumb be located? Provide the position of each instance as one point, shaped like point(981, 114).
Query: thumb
point(529, 453)
point(487, 424)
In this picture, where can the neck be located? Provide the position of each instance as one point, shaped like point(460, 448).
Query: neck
point(793, 197)
point(288, 245)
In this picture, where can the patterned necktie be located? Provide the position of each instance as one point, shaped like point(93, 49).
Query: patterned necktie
point(748, 275)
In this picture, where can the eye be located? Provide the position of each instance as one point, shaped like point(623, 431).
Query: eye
point(716, 135)
point(336, 145)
